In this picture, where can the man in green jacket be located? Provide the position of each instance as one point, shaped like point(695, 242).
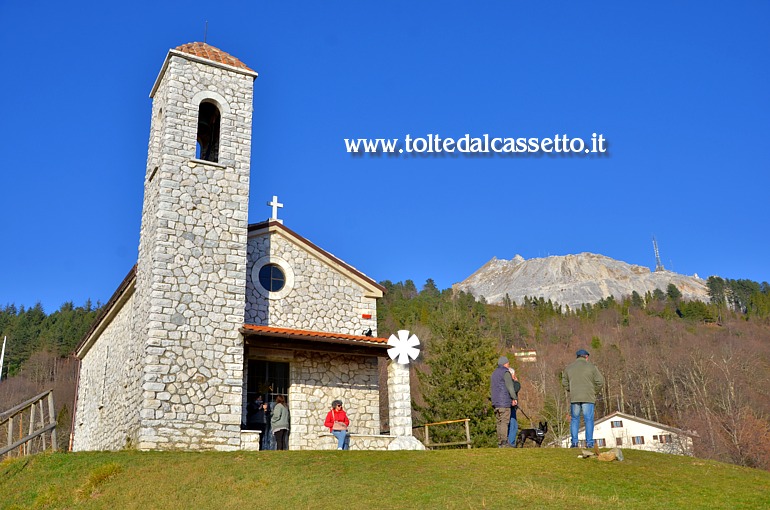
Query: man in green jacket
point(582, 379)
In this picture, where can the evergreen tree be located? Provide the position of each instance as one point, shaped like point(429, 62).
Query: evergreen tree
point(741, 292)
point(459, 359)
point(673, 292)
point(759, 305)
point(696, 310)
point(429, 289)
point(716, 287)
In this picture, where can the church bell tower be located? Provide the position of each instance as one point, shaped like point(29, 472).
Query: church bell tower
point(191, 270)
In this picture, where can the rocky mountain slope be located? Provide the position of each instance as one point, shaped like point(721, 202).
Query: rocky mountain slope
point(573, 279)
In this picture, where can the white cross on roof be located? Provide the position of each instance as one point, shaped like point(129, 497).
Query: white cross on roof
point(275, 205)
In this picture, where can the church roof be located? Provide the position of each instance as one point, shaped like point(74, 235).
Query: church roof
point(123, 292)
point(209, 52)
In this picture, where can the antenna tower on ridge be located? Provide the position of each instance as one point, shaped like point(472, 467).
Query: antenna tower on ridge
point(658, 263)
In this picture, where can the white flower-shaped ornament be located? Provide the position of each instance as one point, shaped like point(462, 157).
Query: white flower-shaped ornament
point(404, 346)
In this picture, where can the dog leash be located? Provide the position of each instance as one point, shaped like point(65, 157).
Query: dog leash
point(525, 415)
point(538, 430)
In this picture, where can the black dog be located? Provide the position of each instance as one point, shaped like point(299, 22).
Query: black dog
point(537, 435)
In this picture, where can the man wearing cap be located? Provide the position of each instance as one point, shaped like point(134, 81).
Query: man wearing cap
point(503, 399)
point(581, 379)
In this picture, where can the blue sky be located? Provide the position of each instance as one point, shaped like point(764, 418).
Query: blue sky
point(679, 91)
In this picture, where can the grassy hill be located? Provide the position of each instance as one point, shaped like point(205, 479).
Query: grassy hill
point(478, 478)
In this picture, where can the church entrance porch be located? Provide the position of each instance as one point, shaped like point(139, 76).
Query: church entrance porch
point(311, 369)
point(266, 379)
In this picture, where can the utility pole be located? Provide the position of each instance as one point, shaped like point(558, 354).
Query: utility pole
point(2, 357)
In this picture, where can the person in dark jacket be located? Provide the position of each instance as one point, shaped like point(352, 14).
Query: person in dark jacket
point(257, 417)
point(581, 379)
point(503, 399)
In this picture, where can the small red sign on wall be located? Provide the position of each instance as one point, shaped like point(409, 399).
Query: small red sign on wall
point(366, 316)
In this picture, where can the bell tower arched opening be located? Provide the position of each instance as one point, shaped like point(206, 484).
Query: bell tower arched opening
point(207, 139)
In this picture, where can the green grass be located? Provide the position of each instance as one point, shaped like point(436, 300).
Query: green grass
point(480, 478)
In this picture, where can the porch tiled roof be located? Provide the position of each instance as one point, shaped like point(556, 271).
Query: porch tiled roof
point(311, 335)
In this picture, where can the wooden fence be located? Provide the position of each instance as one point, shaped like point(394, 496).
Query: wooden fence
point(36, 416)
point(426, 434)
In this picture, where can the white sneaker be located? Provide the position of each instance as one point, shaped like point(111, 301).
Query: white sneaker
point(339, 448)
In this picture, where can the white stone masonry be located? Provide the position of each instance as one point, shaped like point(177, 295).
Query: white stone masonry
point(191, 274)
point(400, 408)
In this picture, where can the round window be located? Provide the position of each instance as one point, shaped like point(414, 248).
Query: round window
point(271, 277)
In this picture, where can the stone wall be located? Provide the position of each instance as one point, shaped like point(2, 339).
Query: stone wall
point(327, 441)
point(109, 392)
point(149, 235)
point(191, 273)
point(317, 380)
point(250, 440)
point(320, 298)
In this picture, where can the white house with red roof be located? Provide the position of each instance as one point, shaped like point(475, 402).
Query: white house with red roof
point(627, 431)
point(218, 312)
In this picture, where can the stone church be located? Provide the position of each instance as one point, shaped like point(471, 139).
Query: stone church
point(216, 311)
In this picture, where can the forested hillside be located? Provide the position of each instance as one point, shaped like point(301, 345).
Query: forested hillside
point(37, 355)
point(696, 366)
point(30, 330)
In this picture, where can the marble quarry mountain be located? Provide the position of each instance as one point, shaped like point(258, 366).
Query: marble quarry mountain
point(572, 280)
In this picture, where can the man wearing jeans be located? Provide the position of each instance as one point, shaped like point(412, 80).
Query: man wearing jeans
point(513, 425)
point(582, 379)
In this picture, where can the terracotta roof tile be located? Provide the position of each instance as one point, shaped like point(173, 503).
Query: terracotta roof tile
point(208, 52)
point(301, 333)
